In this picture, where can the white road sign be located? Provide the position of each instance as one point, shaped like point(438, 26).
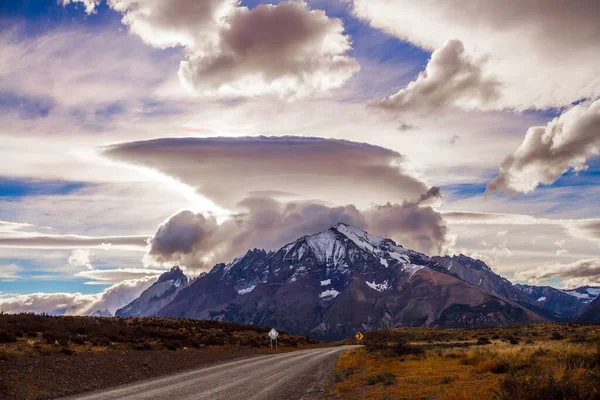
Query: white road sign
point(273, 334)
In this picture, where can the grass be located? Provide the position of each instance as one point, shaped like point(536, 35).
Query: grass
point(550, 361)
point(24, 335)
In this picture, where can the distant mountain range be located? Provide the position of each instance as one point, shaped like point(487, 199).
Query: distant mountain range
point(333, 283)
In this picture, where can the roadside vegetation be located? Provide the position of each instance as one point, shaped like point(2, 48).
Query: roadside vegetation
point(31, 335)
point(533, 362)
point(45, 357)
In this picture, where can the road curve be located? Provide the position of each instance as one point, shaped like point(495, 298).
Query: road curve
point(295, 375)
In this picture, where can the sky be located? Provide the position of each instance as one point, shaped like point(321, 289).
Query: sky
point(141, 134)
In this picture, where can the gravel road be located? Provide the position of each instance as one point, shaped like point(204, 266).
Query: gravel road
point(295, 375)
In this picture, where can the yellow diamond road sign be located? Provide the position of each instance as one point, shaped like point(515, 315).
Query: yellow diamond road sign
point(359, 336)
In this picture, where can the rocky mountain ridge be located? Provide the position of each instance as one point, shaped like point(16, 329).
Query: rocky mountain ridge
point(333, 283)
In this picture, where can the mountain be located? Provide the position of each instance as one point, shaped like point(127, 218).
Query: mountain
point(157, 296)
point(331, 284)
point(563, 303)
point(101, 313)
point(478, 273)
point(546, 301)
point(590, 314)
point(585, 294)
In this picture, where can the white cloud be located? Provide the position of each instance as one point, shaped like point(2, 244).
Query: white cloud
point(81, 258)
point(450, 78)
point(104, 276)
point(543, 53)
point(90, 5)
point(111, 299)
point(577, 272)
point(284, 49)
point(548, 152)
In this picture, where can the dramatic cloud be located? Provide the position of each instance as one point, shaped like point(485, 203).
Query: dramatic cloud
point(547, 152)
point(451, 78)
point(111, 299)
point(284, 49)
point(578, 272)
point(198, 241)
point(227, 170)
point(543, 53)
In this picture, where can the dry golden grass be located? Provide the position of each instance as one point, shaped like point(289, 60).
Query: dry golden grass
point(457, 370)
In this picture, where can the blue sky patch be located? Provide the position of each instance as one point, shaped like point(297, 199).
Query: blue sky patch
point(10, 187)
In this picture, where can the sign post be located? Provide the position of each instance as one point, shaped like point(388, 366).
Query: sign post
point(359, 337)
point(273, 336)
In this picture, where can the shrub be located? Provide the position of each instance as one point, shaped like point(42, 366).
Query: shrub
point(556, 336)
point(342, 375)
point(67, 350)
point(545, 386)
point(513, 339)
point(386, 378)
point(7, 337)
point(495, 367)
point(483, 341)
point(143, 346)
point(447, 379)
point(77, 339)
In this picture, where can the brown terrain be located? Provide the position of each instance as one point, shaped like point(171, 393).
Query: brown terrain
point(43, 357)
point(528, 362)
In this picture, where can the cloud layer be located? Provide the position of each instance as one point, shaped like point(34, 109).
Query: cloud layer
point(579, 273)
point(227, 170)
point(547, 152)
point(198, 241)
point(284, 49)
point(110, 299)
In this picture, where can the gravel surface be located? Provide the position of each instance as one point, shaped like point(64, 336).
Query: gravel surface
point(296, 375)
point(58, 375)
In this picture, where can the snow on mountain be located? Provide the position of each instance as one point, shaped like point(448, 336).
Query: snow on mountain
point(380, 287)
point(586, 294)
point(101, 313)
point(332, 283)
point(157, 296)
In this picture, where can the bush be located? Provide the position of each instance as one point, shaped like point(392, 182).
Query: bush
point(556, 336)
point(77, 339)
point(483, 341)
point(342, 375)
point(386, 378)
point(397, 348)
point(545, 386)
point(513, 339)
point(67, 350)
point(7, 337)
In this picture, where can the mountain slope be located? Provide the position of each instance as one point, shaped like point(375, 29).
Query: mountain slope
point(331, 284)
point(564, 304)
point(585, 294)
point(157, 296)
point(546, 301)
point(590, 314)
